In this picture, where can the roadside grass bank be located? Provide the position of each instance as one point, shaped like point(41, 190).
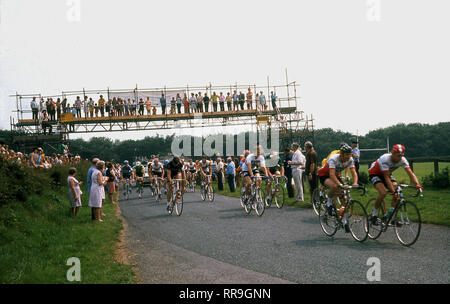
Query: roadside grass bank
point(38, 235)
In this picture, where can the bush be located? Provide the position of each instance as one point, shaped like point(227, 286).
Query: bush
point(363, 178)
point(439, 181)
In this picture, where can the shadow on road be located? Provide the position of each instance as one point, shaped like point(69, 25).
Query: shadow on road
point(348, 242)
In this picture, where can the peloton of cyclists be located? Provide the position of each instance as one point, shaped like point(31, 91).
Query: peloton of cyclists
point(380, 175)
point(330, 177)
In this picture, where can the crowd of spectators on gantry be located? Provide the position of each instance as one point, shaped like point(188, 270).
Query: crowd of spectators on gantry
point(51, 110)
point(37, 158)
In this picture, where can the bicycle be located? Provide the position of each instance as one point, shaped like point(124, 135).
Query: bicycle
point(177, 198)
point(357, 217)
point(207, 191)
point(277, 192)
point(140, 187)
point(127, 188)
point(404, 218)
point(156, 189)
point(255, 200)
point(191, 182)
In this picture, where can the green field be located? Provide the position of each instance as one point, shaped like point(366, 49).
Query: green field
point(434, 207)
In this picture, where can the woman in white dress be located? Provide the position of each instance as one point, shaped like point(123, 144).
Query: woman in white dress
point(74, 191)
point(97, 191)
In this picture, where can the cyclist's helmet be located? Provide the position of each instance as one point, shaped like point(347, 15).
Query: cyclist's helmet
point(138, 163)
point(125, 162)
point(345, 149)
point(398, 149)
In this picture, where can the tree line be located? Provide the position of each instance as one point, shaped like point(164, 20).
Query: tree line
point(420, 140)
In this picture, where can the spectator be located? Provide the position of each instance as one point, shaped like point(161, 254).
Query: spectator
point(237, 170)
point(101, 105)
point(97, 191)
point(34, 108)
point(162, 100)
point(78, 107)
point(193, 103)
point(206, 101)
point(273, 98)
point(241, 100)
point(173, 103)
point(219, 168)
point(186, 103)
point(64, 105)
point(45, 123)
point(214, 99)
point(74, 191)
point(108, 107)
point(230, 174)
point(311, 167)
point(141, 107)
point(257, 102)
point(96, 108)
point(89, 174)
point(297, 163)
point(262, 101)
point(249, 99)
point(229, 100)
point(111, 182)
point(148, 105)
point(58, 109)
point(356, 156)
point(222, 102)
point(52, 110)
point(91, 107)
point(179, 103)
point(288, 171)
point(199, 102)
point(235, 101)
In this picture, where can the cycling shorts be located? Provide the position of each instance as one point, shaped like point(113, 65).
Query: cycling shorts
point(375, 179)
point(158, 174)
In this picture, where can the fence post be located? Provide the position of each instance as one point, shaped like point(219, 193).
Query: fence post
point(411, 164)
point(436, 168)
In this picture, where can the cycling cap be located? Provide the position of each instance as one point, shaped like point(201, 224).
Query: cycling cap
point(345, 149)
point(138, 163)
point(125, 162)
point(398, 149)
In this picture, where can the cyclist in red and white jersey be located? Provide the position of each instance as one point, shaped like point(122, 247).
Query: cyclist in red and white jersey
point(380, 174)
point(330, 177)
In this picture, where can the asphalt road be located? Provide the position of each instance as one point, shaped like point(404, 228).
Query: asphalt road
point(218, 243)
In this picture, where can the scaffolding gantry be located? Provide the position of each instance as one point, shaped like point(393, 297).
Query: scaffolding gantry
point(286, 116)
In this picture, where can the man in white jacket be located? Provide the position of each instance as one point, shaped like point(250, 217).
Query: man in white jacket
point(297, 163)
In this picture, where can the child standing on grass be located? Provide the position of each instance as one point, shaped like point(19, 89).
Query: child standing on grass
point(74, 191)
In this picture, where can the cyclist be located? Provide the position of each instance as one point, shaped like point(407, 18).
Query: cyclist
point(175, 171)
point(138, 171)
point(205, 168)
point(156, 169)
point(192, 170)
point(126, 174)
point(276, 170)
point(380, 174)
point(330, 177)
point(254, 165)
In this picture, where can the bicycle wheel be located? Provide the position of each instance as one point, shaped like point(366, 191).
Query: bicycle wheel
point(358, 221)
point(179, 204)
point(210, 193)
point(248, 205)
point(407, 222)
point(375, 226)
point(279, 196)
point(241, 199)
point(203, 193)
point(259, 202)
point(268, 201)
point(328, 223)
point(317, 200)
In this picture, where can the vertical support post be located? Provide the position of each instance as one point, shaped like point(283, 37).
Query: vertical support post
point(287, 86)
point(436, 168)
point(268, 92)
